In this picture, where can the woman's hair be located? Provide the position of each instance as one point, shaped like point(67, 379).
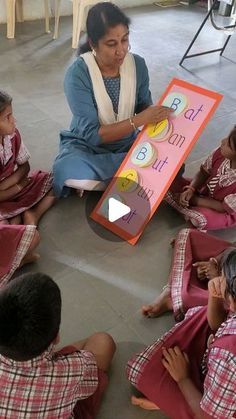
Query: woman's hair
point(229, 269)
point(232, 136)
point(100, 18)
point(5, 100)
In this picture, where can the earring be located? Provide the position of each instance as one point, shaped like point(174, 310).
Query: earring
point(93, 52)
point(129, 47)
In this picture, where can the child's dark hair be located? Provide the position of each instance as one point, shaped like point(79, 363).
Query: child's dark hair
point(100, 18)
point(232, 136)
point(229, 269)
point(5, 100)
point(30, 316)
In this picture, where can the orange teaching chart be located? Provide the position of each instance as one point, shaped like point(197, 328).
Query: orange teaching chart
point(155, 158)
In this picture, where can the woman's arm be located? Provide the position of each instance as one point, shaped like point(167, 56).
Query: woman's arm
point(145, 113)
point(151, 115)
point(15, 177)
point(79, 93)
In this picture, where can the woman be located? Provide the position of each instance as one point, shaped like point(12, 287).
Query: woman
point(197, 258)
point(189, 372)
point(107, 89)
point(17, 244)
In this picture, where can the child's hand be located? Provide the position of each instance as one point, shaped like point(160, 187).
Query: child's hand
point(206, 270)
point(176, 362)
point(24, 182)
point(185, 197)
point(216, 287)
point(194, 201)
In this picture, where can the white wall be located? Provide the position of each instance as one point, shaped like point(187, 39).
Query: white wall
point(33, 9)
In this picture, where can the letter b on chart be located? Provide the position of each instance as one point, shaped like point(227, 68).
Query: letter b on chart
point(176, 101)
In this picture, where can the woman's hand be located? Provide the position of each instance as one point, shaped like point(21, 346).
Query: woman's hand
point(206, 270)
point(216, 287)
point(152, 115)
point(177, 363)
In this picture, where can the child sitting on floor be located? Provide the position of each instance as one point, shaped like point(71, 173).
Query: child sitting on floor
point(209, 200)
point(17, 248)
point(190, 371)
point(35, 380)
point(24, 196)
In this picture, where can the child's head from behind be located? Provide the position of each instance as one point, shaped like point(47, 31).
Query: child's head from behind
point(229, 271)
point(7, 121)
point(228, 145)
point(30, 316)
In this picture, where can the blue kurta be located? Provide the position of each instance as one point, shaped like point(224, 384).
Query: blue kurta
point(82, 153)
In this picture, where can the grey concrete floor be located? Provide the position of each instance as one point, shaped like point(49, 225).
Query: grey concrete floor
point(105, 281)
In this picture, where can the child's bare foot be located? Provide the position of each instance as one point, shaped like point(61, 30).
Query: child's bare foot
point(30, 258)
point(30, 217)
point(162, 304)
point(33, 215)
point(15, 220)
point(4, 222)
point(144, 403)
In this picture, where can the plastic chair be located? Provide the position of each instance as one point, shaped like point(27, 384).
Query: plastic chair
point(14, 9)
point(78, 15)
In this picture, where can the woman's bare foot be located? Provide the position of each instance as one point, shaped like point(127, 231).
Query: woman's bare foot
point(162, 304)
point(144, 403)
point(30, 258)
point(4, 222)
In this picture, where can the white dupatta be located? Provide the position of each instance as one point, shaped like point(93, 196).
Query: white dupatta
point(127, 97)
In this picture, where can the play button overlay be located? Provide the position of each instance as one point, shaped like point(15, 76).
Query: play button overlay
point(117, 213)
point(116, 210)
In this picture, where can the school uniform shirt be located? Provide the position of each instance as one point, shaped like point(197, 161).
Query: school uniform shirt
point(221, 184)
point(219, 398)
point(47, 386)
point(13, 153)
point(6, 151)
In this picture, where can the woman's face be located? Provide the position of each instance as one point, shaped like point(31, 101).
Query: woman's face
point(113, 47)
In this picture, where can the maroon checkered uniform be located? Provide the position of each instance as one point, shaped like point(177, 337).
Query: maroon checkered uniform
point(48, 386)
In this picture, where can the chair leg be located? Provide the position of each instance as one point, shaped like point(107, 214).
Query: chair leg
point(19, 11)
point(57, 18)
point(46, 9)
point(85, 15)
point(78, 14)
point(11, 16)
